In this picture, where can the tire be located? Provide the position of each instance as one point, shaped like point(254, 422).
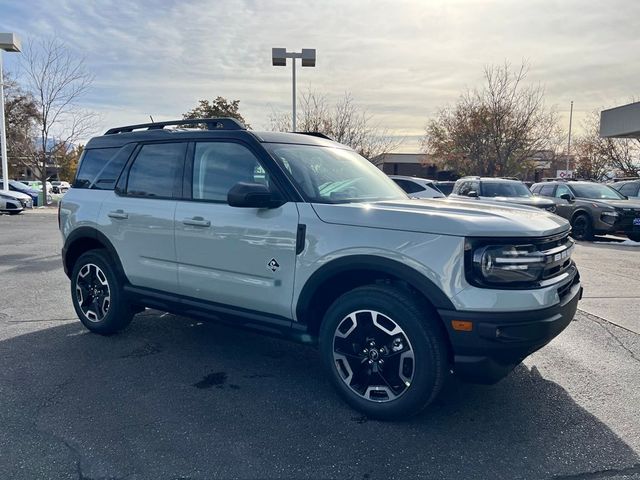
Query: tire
point(407, 338)
point(634, 236)
point(582, 229)
point(94, 278)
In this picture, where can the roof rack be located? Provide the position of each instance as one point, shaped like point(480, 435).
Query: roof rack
point(225, 123)
point(315, 134)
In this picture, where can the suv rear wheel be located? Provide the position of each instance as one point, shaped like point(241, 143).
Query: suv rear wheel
point(384, 351)
point(97, 294)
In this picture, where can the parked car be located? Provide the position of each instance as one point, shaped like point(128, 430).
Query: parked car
point(10, 202)
point(417, 187)
point(33, 186)
point(58, 186)
point(628, 188)
point(300, 236)
point(592, 208)
point(445, 186)
point(30, 198)
point(499, 190)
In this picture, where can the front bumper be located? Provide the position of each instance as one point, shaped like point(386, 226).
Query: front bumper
point(499, 341)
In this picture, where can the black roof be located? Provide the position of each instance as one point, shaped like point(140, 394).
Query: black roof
point(216, 128)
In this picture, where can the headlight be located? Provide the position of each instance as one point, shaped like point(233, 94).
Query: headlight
point(508, 263)
point(609, 216)
point(515, 266)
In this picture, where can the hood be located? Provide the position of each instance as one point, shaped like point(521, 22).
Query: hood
point(446, 217)
point(16, 195)
point(531, 201)
point(615, 203)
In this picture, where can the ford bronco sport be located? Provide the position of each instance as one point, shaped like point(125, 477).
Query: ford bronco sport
point(299, 236)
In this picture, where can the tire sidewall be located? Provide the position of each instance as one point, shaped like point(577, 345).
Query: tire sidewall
point(588, 228)
point(427, 344)
point(116, 317)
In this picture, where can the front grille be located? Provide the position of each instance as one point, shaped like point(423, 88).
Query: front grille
point(557, 256)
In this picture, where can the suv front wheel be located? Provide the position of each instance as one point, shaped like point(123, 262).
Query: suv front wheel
point(384, 351)
point(97, 294)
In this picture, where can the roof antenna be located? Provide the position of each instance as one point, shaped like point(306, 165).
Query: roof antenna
point(152, 120)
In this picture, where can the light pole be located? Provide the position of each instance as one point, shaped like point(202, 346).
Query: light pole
point(569, 142)
point(279, 59)
point(9, 42)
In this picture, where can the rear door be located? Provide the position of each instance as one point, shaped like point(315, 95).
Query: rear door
point(240, 257)
point(138, 217)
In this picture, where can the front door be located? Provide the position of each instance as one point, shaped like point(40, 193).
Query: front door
point(564, 208)
point(240, 257)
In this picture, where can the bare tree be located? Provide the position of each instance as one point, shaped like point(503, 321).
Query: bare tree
point(344, 122)
point(496, 129)
point(597, 156)
point(57, 80)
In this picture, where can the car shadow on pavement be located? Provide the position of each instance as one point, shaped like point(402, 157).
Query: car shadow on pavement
point(171, 397)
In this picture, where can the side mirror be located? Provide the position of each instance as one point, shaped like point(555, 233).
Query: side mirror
point(568, 197)
point(472, 193)
point(253, 195)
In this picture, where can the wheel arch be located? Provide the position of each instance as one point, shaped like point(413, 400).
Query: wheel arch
point(343, 274)
point(581, 211)
point(82, 240)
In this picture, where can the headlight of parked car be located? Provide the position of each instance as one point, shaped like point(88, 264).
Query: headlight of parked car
point(514, 266)
point(609, 216)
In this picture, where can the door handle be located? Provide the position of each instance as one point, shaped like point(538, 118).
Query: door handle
point(121, 214)
point(196, 222)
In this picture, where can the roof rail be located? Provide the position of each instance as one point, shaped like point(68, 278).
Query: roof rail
point(315, 134)
point(225, 123)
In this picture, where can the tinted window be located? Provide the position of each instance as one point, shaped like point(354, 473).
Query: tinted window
point(547, 190)
point(92, 162)
point(562, 189)
point(505, 189)
point(156, 170)
point(107, 177)
point(595, 190)
point(408, 186)
point(468, 186)
point(629, 189)
point(218, 166)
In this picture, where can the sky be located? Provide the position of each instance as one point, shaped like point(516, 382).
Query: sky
point(400, 60)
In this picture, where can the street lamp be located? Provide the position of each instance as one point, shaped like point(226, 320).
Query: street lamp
point(279, 59)
point(9, 42)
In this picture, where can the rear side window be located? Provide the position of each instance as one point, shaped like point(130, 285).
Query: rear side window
point(547, 190)
point(92, 162)
point(157, 170)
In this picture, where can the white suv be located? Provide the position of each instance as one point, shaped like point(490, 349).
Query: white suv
point(299, 236)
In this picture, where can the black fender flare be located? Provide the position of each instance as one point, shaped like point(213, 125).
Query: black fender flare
point(371, 262)
point(93, 235)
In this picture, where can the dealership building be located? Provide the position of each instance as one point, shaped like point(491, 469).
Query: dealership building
point(621, 122)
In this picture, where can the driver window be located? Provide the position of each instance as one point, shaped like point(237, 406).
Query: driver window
point(218, 166)
point(561, 190)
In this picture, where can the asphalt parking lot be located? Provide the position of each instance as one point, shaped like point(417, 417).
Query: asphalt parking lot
point(172, 398)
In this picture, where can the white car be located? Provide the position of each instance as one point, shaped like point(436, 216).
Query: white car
point(10, 202)
point(417, 187)
point(58, 186)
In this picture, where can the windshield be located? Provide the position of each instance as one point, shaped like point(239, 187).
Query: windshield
point(334, 175)
point(505, 189)
point(594, 190)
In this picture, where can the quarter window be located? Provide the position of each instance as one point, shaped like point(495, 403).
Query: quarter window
point(92, 162)
point(218, 166)
point(156, 170)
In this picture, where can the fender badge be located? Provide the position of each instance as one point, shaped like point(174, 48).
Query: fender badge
point(273, 265)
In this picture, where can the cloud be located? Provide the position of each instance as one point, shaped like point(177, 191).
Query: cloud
point(401, 60)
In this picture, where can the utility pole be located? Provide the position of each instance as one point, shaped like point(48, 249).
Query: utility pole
point(569, 143)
